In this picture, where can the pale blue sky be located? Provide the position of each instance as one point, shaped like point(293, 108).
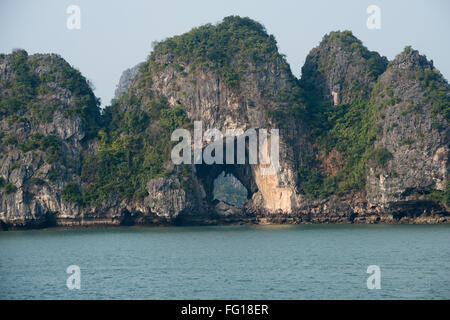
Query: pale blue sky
point(116, 35)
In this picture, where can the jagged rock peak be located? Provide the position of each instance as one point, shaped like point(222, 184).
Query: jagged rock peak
point(343, 39)
point(39, 87)
point(411, 59)
point(338, 66)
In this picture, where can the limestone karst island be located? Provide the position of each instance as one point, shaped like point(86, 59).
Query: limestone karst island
point(362, 139)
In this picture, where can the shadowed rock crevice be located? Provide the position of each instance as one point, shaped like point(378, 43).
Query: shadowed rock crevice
point(209, 174)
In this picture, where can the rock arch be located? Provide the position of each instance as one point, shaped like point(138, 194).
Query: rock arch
point(208, 173)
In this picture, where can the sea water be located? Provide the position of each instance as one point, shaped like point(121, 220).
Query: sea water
point(228, 262)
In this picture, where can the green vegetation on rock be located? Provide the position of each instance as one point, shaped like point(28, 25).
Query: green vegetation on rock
point(226, 47)
point(382, 156)
point(350, 129)
point(50, 144)
point(9, 188)
point(436, 91)
point(133, 134)
point(442, 196)
point(72, 193)
point(32, 91)
point(134, 147)
point(348, 42)
point(20, 90)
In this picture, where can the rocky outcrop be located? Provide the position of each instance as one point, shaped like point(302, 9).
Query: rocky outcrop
point(401, 108)
point(124, 81)
point(207, 98)
point(40, 150)
point(62, 164)
point(415, 138)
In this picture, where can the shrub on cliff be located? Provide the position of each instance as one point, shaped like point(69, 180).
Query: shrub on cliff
point(382, 156)
point(9, 188)
point(50, 144)
point(442, 196)
point(436, 91)
point(72, 193)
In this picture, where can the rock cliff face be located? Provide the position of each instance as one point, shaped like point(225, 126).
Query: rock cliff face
point(361, 140)
point(414, 134)
point(386, 146)
point(207, 98)
point(43, 124)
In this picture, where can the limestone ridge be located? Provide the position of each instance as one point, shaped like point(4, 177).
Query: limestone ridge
point(361, 139)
